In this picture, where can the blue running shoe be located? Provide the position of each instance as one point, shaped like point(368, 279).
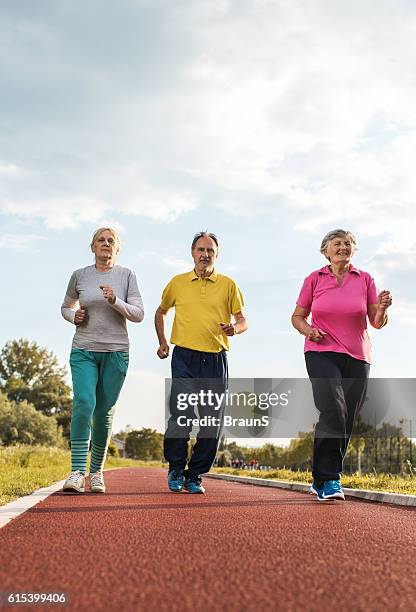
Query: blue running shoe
point(193, 484)
point(333, 490)
point(318, 491)
point(176, 480)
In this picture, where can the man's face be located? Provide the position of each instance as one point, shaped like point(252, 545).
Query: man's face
point(205, 253)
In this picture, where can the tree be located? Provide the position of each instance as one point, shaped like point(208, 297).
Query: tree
point(146, 444)
point(237, 452)
point(112, 449)
point(21, 423)
point(299, 453)
point(31, 373)
point(224, 458)
point(269, 454)
point(123, 433)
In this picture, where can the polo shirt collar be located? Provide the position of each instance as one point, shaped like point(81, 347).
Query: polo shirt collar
point(194, 276)
point(326, 270)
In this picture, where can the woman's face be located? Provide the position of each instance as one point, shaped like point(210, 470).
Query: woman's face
point(105, 245)
point(340, 250)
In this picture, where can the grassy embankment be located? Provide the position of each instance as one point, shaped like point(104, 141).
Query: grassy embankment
point(371, 482)
point(23, 469)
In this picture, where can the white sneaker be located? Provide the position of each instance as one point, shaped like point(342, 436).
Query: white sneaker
point(75, 483)
point(97, 482)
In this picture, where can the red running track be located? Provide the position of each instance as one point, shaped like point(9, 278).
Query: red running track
point(236, 548)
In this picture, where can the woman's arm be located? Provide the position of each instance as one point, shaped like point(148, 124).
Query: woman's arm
point(68, 309)
point(377, 313)
point(132, 309)
point(300, 323)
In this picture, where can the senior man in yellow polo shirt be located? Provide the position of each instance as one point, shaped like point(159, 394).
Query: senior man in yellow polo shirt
point(204, 302)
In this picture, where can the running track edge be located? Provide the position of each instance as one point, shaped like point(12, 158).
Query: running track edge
point(399, 499)
point(15, 508)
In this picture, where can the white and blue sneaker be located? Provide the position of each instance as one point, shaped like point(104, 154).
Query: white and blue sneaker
point(193, 484)
point(332, 490)
point(318, 491)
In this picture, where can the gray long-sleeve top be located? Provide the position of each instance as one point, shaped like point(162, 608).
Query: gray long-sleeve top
point(105, 328)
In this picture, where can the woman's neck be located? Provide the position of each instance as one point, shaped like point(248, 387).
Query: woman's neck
point(339, 268)
point(103, 265)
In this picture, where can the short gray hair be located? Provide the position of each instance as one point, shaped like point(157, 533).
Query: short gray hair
point(337, 233)
point(205, 234)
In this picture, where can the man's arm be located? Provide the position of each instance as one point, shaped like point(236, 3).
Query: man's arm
point(160, 316)
point(240, 325)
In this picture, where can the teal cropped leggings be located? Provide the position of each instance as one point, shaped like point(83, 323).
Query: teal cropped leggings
point(97, 379)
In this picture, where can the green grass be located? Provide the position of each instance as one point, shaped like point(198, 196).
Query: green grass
point(370, 482)
point(23, 469)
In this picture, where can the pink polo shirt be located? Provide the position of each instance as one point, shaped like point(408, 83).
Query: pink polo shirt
point(339, 310)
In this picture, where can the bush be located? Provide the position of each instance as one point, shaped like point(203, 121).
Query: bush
point(31, 373)
point(112, 449)
point(21, 423)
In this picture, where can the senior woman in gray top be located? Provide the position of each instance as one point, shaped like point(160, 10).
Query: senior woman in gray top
point(98, 300)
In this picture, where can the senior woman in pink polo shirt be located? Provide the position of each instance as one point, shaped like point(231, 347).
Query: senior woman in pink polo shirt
point(337, 347)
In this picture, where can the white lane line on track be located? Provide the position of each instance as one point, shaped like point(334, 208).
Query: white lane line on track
point(13, 509)
point(18, 506)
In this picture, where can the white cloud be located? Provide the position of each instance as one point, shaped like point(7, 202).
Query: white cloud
point(62, 212)
point(316, 114)
point(403, 310)
point(20, 242)
point(394, 258)
point(114, 223)
point(157, 205)
point(181, 265)
point(255, 107)
point(36, 35)
point(9, 170)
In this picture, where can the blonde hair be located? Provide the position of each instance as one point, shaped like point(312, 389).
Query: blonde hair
point(99, 231)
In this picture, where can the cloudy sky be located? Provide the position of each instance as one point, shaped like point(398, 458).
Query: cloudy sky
point(268, 122)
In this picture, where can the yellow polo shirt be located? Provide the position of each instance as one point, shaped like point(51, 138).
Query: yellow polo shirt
point(200, 306)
